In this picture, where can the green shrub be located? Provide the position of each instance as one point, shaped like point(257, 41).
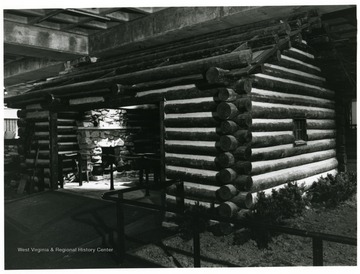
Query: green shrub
point(194, 218)
point(332, 190)
point(291, 200)
point(282, 204)
point(285, 203)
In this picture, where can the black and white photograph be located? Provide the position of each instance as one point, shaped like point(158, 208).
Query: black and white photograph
point(148, 135)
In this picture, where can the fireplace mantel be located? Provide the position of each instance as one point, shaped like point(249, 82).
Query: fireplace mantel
point(108, 128)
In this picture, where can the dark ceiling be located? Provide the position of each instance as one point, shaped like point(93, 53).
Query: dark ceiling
point(339, 26)
point(84, 21)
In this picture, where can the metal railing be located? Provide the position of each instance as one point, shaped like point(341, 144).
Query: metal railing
point(317, 237)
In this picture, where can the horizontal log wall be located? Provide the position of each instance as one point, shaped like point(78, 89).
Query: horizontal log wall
point(34, 131)
point(289, 89)
point(198, 149)
point(305, 182)
point(244, 142)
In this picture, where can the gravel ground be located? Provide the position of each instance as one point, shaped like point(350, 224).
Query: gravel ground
point(283, 250)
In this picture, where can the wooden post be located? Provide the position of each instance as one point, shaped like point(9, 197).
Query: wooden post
point(340, 134)
point(317, 245)
point(54, 175)
point(80, 168)
point(60, 170)
point(162, 151)
point(196, 241)
point(111, 173)
point(120, 227)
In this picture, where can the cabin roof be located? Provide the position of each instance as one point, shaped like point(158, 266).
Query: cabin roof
point(264, 39)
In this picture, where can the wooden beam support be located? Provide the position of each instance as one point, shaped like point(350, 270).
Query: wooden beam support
point(54, 176)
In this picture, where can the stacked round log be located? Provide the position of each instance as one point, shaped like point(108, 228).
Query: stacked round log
point(34, 132)
point(191, 144)
point(206, 142)
point(280, 97)
point(221, 42)
point(30, 136)
point(24, 130)
point(289, 89)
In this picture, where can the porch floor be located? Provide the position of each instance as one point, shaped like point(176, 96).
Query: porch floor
point(76, 218)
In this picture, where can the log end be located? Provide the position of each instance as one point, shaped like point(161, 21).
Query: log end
point(225, 159)
point(227, 209)
point(243, 86)
point(245, 56)
point(228, 127)
point(21, 113)
point(215, 75)
point(228, 142)
point(243, 182)
point(244, 119)
point(243, 153)
point(248, 200)
point(227, 175)
point(226, 110)
point(226, 94)
point(243, 167)
point(226, 192)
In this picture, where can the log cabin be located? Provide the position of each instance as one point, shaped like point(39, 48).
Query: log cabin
point(229, 113)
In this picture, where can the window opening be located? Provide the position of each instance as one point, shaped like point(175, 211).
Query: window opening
point(300, 131)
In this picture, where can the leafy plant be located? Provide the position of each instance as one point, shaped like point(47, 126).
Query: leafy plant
point(282, 204)
point(332, 190)
point(291, 200)
point(285, 203)
point(194, 218)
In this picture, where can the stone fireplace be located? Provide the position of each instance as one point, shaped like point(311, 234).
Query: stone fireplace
point(104, 128)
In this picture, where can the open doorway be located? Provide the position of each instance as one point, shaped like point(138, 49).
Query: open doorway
point(118, 148)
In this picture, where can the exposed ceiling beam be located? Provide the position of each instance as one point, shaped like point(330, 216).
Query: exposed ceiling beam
point(15, 18)
point(45, 17)
point(89, 14)
point(183, 22)
point(39, 42)
point(96, 12)
point(121, 16)
point(29, 69)
point(46, 24)
point(145, 10)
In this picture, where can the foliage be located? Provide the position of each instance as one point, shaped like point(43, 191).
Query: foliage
point(194, 218)
point(291, 200)
point(332, 190)
point(282, 204)
point(285, 203)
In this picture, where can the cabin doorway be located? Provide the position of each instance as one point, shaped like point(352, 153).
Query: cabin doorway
point(119, 148)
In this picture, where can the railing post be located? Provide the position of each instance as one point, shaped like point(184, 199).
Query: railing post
point(121, 226)
point(317, 244)
point(54, 159)
point(79, 159)
point(60, 170)
point(111, 172)
point(196, 241)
